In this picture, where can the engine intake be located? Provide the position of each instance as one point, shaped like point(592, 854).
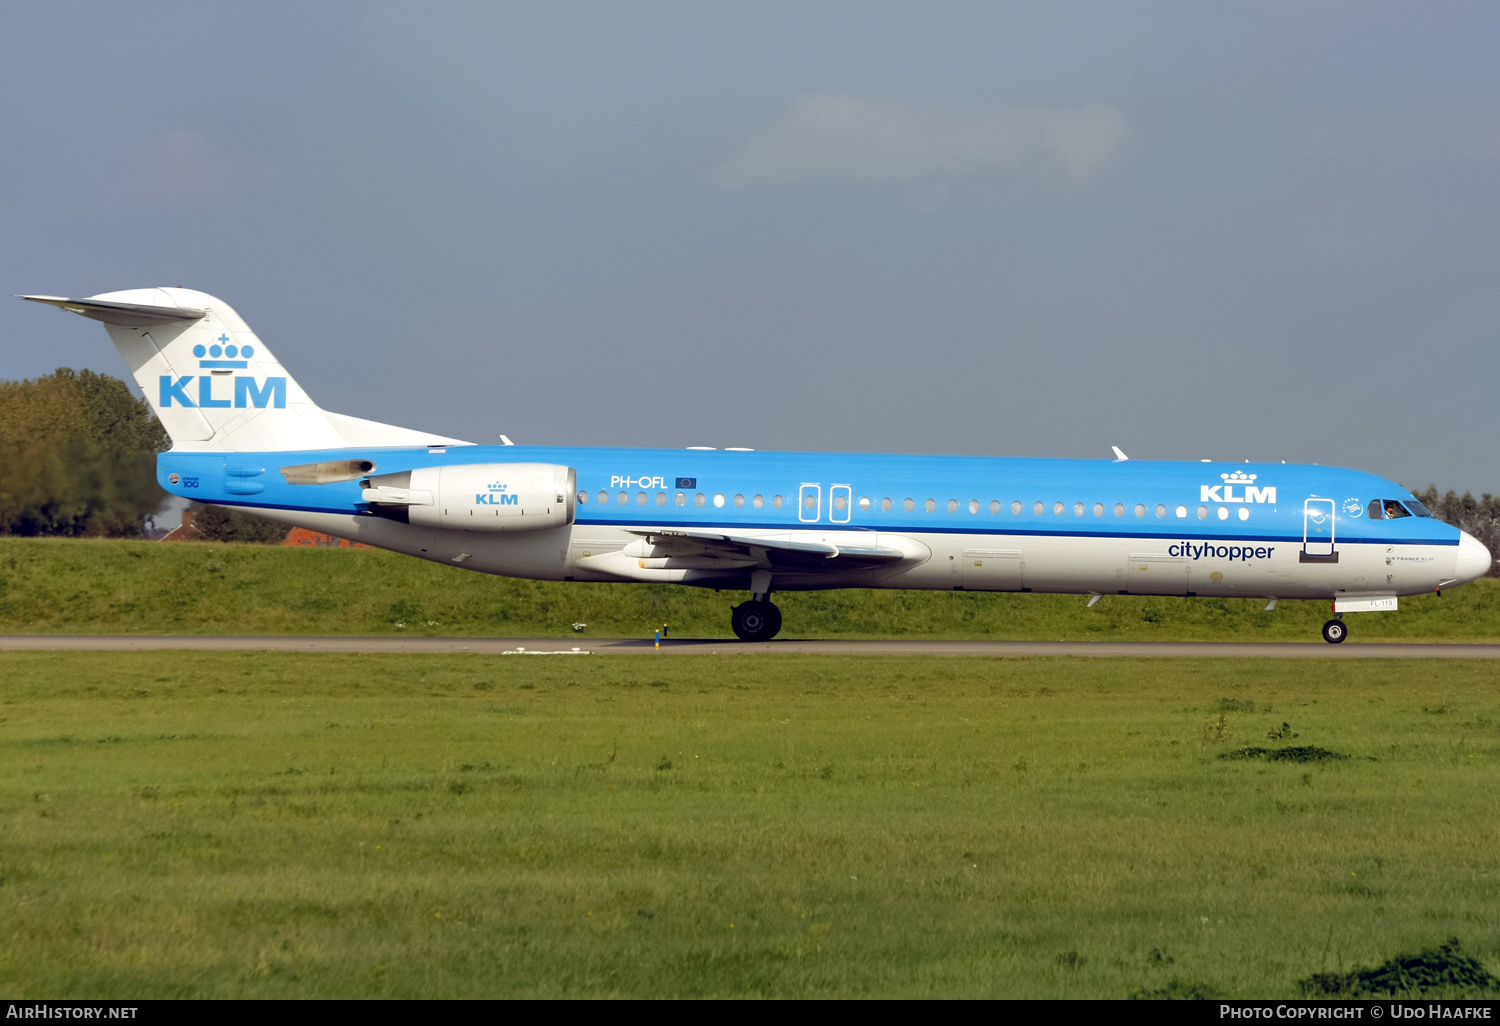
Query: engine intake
point(477, 496)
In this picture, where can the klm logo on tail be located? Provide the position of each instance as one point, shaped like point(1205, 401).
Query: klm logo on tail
point(223, 355)
point(247, 393)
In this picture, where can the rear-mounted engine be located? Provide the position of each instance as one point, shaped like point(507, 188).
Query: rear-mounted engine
point(477, 496)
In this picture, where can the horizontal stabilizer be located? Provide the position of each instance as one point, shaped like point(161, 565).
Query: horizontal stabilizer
point(127, 315)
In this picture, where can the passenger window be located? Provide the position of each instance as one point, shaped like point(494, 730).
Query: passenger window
point(583, 497)
point(864, 502)
point(640, 498)
point(973, 505)
point(1037, 508)
point(908, 504)
point(661, 498)
point(739, 501)
point(1394, 510)
point(1119, 509)
point(1376, 511)
point(994, 506)
point(681, 499)
point(1078, 509)
point(1181, 512)
point(719, 501)
point(699, 499)
point(952, 505)
point(624, 498)
point(839, 502)
point(1098, 509)
point(1161, 511)
point(809, 501)
point(776, 501)
point(1140, 510)
point(886, 504)
point(1057, 509)
point(1015, 507)
point(930, 505)
point(603, 498)
point(1202, 512)
point(758, 501)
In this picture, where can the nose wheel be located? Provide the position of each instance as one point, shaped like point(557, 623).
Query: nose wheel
point(1334, 631)
point(755, 621)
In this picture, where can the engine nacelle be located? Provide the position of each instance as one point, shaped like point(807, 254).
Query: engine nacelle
point(478, 496)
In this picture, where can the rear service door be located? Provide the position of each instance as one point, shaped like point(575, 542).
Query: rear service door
point(1154, 573)
point(992, 569)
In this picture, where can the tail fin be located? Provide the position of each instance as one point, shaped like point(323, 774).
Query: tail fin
point(213, 383)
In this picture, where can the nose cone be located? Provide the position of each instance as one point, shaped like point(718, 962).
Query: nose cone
point(1473, 558)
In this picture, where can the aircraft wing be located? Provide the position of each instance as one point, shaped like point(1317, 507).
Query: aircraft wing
point(767, 552)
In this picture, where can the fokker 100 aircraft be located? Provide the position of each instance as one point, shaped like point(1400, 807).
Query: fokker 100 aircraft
point(244, 434)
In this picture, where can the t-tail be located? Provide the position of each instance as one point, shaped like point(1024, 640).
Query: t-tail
point(216, 386)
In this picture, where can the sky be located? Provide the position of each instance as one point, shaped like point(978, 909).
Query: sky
point(1212, 230)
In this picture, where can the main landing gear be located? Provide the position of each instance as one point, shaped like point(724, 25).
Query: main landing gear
point(1334, 631)
point(758, 619)
point(755, 620)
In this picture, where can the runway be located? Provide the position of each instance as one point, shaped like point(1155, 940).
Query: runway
point(675, 646)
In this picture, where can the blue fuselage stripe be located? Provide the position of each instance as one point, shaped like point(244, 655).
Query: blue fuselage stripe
point(1278, 497)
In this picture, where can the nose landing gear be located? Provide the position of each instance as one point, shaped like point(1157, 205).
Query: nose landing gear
point(1334, 631)
point(755, 621)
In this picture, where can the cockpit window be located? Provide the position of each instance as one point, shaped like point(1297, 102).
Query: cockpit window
point(1394, 510)
point(1376, 511)
point(1417, 508)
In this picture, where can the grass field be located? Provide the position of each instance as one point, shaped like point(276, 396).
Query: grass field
point(275, 825)
point(58, 586)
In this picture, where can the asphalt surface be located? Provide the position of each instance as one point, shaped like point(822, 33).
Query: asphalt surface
point(685, 646)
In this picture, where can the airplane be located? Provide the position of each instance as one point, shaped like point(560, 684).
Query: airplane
point(245, 435)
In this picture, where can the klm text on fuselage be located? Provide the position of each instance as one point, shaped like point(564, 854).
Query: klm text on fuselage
point(1225, 493)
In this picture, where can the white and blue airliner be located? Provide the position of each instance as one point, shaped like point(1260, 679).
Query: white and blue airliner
point(245, 435)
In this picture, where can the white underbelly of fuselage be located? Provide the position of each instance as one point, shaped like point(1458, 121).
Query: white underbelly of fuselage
point(969, 562)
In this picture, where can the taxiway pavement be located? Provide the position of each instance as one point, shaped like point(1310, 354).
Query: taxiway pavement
point(693, 646)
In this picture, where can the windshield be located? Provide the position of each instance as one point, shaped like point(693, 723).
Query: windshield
point(1417, 508)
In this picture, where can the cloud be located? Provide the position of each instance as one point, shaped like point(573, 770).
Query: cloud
point(1479, 145)
point(835, 137)
point(183, 167)
point(1402, 149)
point(1323, 142)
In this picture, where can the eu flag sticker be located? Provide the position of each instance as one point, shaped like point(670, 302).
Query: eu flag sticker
point(687, 482)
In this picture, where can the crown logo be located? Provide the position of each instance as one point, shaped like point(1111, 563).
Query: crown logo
point(497, 486)
point(222, 347)
point(1238, 477)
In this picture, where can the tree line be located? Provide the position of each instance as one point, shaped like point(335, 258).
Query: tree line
point(1480, 517)
point(78, 459)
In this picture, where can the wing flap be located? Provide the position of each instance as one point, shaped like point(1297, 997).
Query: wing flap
point(771, 552)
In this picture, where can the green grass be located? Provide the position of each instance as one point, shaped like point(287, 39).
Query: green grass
point(278, 825)
point(58, 586)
